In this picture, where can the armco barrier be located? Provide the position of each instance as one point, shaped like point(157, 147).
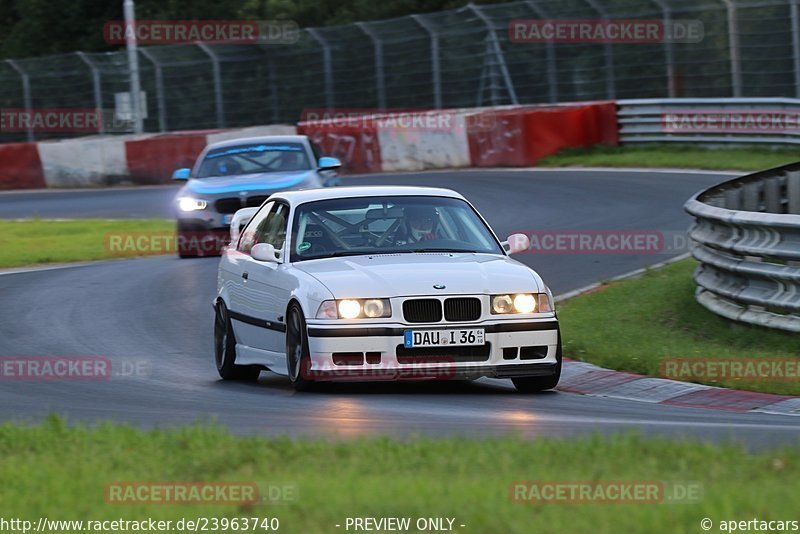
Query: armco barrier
point(20, 166)
point(710, 120)
point(154, 159)
point(746, 237)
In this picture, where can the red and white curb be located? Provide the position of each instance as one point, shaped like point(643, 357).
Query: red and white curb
point(588, 379)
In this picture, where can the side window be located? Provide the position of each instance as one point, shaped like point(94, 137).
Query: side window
point(250, 233)
point(273, 229)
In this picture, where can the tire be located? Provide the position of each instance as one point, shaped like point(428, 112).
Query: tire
point(225, 350)
point(535, 384)
point(298, 358)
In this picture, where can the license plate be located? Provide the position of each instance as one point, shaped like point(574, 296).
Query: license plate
point(227, 218)
point(443, 338)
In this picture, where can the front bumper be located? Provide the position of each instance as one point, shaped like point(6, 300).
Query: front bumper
point(200, 238)
point(376, 352)
point(204, 220)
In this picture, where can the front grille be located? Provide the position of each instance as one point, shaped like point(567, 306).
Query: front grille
point(462, 309)
point(256, 201)
point(444, 355)
point(422, 311)
point(228, 205)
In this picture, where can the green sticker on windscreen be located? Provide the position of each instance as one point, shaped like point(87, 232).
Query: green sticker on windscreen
point(302, 247)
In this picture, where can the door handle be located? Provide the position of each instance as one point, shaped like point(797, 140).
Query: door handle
point(245, 275)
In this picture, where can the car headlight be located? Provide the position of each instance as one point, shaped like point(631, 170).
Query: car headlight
point(349, 309)
point(355, 309)
point(524, 303)
point(191, 204)
point(521, 303)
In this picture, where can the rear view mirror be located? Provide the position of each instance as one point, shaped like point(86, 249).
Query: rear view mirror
point(379, 213)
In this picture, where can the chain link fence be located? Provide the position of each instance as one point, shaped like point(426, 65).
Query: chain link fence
point(450, 59)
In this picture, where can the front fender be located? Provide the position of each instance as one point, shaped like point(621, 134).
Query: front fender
point(309, 293)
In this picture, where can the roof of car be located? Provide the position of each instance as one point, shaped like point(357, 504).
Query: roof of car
point(308, 195)
point(260, 139)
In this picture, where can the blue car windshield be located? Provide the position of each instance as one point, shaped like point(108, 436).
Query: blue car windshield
point(254, 158)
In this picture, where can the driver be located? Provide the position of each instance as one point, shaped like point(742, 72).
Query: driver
point(287, 161)
point(421, 223)
point(228, 167)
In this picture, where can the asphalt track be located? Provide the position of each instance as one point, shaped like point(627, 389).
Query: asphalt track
point(152, 318)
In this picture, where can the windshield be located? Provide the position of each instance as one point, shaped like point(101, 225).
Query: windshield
point(254, 158)
point(386, 225)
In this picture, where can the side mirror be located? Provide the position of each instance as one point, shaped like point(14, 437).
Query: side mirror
point(181, 174)
point(516, 243)
point(239, 221)
point(327, 163)
point(264, 252)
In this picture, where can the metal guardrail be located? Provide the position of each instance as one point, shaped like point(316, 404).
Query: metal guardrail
point(710, 120)
point(746, 237)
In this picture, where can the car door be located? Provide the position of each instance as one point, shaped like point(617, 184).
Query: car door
point(243, 305)
point(269, 283)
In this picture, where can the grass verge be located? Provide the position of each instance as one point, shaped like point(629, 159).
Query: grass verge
point(634, 325)
point(61, 472)
point(42, 241)
point(674, 156)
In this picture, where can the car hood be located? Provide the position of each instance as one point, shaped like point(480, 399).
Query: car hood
point(398, 275)
point(269, 182)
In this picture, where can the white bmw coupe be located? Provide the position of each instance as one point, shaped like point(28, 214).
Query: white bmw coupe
point(380, 283)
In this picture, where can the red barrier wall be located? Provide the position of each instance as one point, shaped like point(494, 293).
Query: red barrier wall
point(154, 159)
point(355, 145)
point(606, 126)
point(20, 166)
point(521, 137)
point(499, 142)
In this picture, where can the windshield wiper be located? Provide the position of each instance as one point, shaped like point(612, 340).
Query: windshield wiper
point(422, 250)
point(340, 253)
